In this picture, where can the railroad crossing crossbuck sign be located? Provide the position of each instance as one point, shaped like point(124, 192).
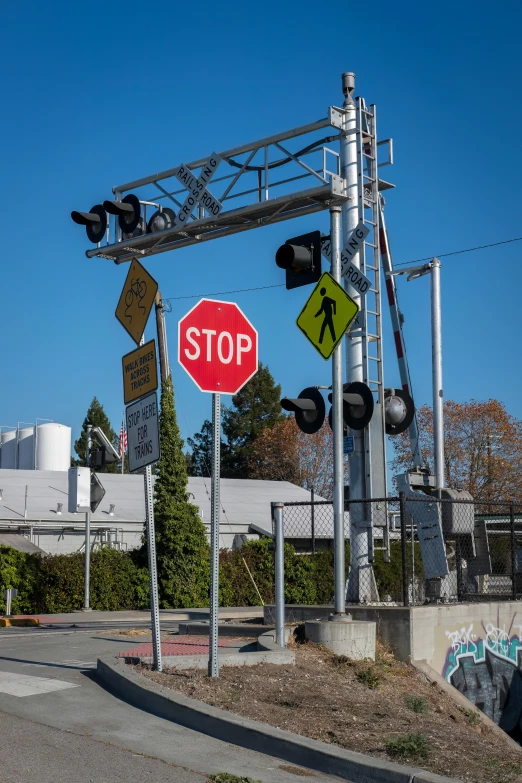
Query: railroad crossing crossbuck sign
point(327, 315)
point(217, 346)
point(198, 193)
point(136, 300)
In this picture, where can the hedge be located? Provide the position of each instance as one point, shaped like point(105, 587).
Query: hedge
point(54, 583)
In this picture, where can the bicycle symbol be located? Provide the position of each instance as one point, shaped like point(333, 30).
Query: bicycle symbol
point(136, 292)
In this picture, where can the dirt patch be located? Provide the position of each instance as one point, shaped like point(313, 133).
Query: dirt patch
point(385, 709)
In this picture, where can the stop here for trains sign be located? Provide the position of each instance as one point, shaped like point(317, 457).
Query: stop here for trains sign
point(217, 346)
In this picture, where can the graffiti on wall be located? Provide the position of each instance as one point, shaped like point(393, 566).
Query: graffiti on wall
point(485, 665)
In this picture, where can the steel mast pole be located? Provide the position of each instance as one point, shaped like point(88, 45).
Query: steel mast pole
point(87, 583)
point(213, 663)
point(436, 354)
point(354, 344)
point(337, 423)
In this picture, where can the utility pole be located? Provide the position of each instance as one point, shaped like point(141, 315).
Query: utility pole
point(162, 339)
point(359, 549)
point(436, 351)
point(87, 584)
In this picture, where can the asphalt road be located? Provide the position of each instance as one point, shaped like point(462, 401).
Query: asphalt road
point(58, 723)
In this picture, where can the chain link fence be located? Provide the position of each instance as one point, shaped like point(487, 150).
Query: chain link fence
point(409, 551)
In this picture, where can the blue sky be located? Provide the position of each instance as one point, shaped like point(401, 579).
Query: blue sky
point(92, 99)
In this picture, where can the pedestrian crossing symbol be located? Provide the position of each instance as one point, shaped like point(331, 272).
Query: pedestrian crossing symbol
point(327, 315)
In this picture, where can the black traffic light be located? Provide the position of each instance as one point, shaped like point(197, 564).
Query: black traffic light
point(301, 257)
point(358, 405)
point(399, 411)
point(128, 212)
point(95, 222)
point(309, 409)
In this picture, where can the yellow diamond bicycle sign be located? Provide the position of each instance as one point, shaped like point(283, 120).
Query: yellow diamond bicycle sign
point(327, 315)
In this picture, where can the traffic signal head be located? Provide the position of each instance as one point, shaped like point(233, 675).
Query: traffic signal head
point(399, 411)
point(309, 409)
point(161, 220)
point(95, 222)
point(358, 404)
point(128, 212)
point(301, 257)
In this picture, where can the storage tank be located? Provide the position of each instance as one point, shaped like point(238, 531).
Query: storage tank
point(26, 448)
point(53, 447)
point(8, 450)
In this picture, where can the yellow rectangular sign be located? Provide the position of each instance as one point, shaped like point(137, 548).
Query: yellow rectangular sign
point(136, 300)
point(140, 373)
point(327, 315)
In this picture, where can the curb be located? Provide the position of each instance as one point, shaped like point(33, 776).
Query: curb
point(201, 717)
point(13, 622)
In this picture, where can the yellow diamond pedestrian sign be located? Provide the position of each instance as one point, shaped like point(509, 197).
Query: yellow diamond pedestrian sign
point(327, 315)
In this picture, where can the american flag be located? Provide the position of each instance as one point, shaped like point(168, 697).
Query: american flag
point(123, 440)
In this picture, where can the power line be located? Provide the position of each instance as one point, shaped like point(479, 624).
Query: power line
point(457, 252)
point(221, 293)
point(405, 263)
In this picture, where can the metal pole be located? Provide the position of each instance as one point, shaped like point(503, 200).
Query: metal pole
point(338, 426)
point(359, 554)
point(162, 339)
point(513, 553)
point(87, 583)
point(436, 353)
point(153, 572)
point(213, 663)
point(404, 553)
point(277, 516)
point(312, 509)
point(412, 561)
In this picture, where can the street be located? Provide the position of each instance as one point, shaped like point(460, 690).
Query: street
point(59, 724)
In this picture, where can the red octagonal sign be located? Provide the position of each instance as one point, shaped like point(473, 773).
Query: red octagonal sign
point(217, 346)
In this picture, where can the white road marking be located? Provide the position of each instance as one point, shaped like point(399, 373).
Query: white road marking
point(25, 685)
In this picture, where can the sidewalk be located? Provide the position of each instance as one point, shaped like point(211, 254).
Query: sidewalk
point(166, 615)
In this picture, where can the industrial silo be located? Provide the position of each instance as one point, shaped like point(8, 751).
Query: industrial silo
point(8, 449)
point(25, 448)
point(53, 447)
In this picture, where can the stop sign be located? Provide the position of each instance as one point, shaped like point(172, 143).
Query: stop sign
point(217, 346)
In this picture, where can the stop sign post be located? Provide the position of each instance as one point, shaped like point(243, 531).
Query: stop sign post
point(217, 346)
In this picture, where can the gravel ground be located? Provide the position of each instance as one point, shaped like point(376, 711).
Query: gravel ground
point(360, 706)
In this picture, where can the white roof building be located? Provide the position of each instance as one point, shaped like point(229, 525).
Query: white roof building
point(34, 505)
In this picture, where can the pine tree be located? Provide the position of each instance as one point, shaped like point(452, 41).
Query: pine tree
point(98, 418)
point(181, 545)
point(199, 460)
point(254, 407)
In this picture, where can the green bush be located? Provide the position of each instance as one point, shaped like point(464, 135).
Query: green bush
point(408, 746)
point(55, 583)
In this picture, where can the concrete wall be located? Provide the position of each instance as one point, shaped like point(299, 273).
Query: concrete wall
point(393, 622)
point(477, 648)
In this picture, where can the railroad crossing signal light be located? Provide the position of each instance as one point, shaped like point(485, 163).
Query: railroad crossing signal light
point(162, 219)
point(301, 258)
point(399, 411)
point(128, 212)
point(309, 409)
point(358, 405)
point(95, 222)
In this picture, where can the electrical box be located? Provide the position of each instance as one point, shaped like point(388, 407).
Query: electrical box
point(79, 489)
point(458, 518)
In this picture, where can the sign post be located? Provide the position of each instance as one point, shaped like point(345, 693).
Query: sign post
point(217, 346)
point(140, 381)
